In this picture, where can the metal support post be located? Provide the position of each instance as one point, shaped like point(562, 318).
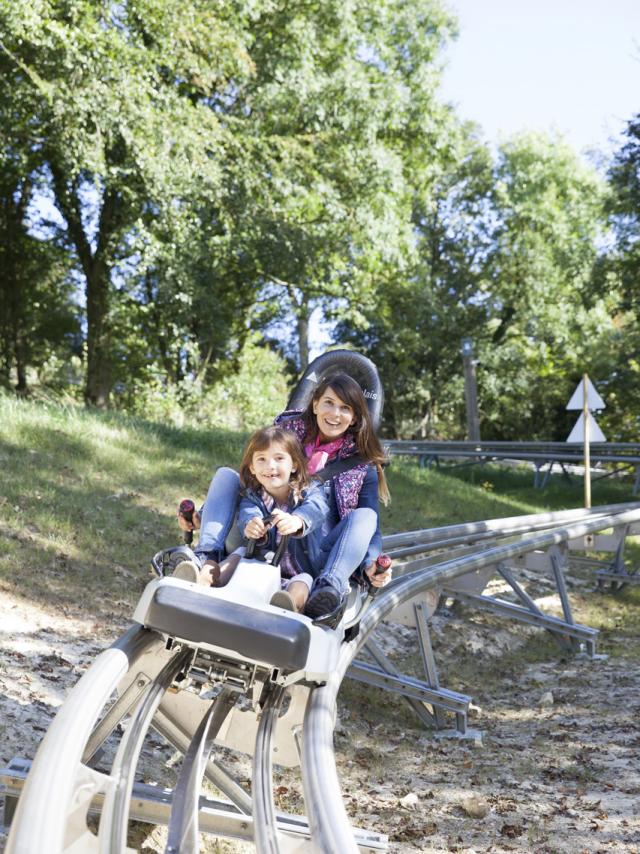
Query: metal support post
point(470, 390)
point(430, 669)
point(517, 589)
point(390, 669)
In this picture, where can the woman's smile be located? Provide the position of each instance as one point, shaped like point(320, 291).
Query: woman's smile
point(333, 415)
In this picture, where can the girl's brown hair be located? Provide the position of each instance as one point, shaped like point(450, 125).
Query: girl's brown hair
point(263, 439)
point(367, 443)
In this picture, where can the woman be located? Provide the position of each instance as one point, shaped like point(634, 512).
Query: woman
point(337, 435)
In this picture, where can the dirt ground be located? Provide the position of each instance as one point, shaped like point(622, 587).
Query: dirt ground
point(555, 769)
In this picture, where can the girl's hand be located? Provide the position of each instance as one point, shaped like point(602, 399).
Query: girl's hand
point(287, 523)
point(255, 528)
point(189, 526)
point(381, 578)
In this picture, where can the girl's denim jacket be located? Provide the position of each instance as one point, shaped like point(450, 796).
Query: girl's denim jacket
point(304, 547)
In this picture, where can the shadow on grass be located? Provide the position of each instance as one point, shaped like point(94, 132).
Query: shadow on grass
point(425, 498)
point(86, 500)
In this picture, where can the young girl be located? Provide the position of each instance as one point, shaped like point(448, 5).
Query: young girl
point(278, 500)
point(336, 426)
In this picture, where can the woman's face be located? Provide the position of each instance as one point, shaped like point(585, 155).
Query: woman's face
point(333, 415)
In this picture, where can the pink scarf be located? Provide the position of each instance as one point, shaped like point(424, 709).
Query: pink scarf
point(318, 454)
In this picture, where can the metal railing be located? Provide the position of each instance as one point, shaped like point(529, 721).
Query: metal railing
point(623, 455)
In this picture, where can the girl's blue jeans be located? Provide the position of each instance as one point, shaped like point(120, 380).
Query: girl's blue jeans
point(218, 514)
point(344, 548)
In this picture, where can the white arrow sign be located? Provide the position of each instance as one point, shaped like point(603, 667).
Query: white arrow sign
point(595, 433)
point(594, 401)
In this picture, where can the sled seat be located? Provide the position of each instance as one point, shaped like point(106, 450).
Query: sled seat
point(247, 632)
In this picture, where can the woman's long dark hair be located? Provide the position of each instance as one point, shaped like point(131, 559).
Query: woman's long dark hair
point(367, 443)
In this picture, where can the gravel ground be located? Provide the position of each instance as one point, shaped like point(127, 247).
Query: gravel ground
point(555, 769)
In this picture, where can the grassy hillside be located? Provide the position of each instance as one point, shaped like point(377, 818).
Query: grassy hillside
point(86, 498)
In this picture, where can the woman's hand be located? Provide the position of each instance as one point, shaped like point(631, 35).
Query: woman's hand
point(256, 528)
point(287, 523)
point(381, 578)
point(185, 525)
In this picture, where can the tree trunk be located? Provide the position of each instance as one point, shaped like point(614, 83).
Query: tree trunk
point(20, 362)
point(98, 387)
point(303, 335)
point(96, 269)
point(13, 296)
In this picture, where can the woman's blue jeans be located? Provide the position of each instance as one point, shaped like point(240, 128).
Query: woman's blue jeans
point(218, 513)
point(342, 550)
point(345, 547)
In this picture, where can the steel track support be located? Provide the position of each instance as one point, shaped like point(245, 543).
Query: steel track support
point(515, 612)
point(558, 557)
point(410, 689)
point(183, 825)
point(429, 661)
point(152, 805)
point(120, 709)
point(361, 672)
point(264, 817)
point(517, 589)
point(112, 834)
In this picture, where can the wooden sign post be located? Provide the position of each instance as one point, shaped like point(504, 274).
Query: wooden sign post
point(586, 430)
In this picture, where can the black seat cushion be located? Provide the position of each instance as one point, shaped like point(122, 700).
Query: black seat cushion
point(258, 635)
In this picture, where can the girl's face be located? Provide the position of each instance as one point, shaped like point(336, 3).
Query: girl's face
point(333, 415)
point(272, 468)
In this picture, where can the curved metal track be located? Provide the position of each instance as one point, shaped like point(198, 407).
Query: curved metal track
point(183, 827)
point(115, 812)
point(42, 822)
point(57, 824)
point(328, 819)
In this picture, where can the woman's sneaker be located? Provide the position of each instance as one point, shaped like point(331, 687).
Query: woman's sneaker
point(327, 603)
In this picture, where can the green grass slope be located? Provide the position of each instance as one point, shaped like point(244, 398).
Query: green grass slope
point(86, 498)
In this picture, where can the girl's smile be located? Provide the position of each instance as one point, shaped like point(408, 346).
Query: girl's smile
point(333, 415)
point(273, 468)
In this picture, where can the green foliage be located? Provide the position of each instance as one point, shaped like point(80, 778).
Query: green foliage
point(619, 273)
point(245, 399)
point(200, 156)
point(506, 253)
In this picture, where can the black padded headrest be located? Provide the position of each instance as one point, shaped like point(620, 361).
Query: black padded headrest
point(361, 369)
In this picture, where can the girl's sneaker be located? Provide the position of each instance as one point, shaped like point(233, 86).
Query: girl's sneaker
point(283, 599)
point(187, 570)
point(190, 570)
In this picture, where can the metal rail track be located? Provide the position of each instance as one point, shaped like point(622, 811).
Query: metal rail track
point(624, 455)
point(327, 815)
point(57, 823)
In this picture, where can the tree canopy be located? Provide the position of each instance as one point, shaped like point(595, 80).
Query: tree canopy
point(184, 183)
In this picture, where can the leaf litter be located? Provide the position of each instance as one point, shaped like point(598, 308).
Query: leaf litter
point(556, 771)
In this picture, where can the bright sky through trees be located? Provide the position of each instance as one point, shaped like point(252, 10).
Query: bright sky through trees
point(573, 65)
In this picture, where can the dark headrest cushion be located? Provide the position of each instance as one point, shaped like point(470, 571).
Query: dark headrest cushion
point(359, 367)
